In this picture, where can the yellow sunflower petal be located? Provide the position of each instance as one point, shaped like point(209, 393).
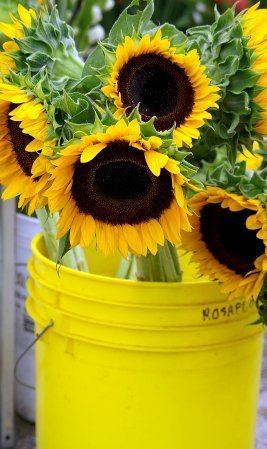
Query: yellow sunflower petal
point(155, 161)
point(91, 152)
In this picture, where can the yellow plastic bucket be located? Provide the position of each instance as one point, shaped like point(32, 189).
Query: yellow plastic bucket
point(132, 365)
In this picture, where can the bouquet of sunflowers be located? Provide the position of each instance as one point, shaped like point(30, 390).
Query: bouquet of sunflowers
point(154, 144)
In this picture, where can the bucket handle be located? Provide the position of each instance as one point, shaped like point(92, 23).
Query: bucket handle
point(21, 357)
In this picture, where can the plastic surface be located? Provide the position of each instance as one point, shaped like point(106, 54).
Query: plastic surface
point(147, 365)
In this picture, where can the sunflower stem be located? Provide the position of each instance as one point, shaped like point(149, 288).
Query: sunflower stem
point(176, 261)
point(124, 267)
point(163, 267)
point(80, 258)
point(133, 269)
point(127, 268)
point(48, 223)
point(68, 65)
point(62, 8)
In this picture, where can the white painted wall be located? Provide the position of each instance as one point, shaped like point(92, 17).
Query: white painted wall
point(7, 322)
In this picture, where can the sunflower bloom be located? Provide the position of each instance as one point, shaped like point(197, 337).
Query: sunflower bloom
point(253, 160)
point(229, 240)
point(24, 127)
point(116, 187)
point(254, 26)
point(169, 86)
point(6, 61)
point(30, 37)
point(15, 30)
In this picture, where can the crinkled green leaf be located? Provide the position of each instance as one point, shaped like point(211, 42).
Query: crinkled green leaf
point(70, 103)
point(127, 23)
point(238, 103)
point(234, 124)
point(234, 47)
point(249, 190)
point(242, 80)
point(95, 60)
point(220, 38)
point(225, 21)
point(177, 38)
point(145, 17)
point(203, 30)
point(31, 44)
point(38, 60)
point(89, 82)
point(228, 67)
point(63, 248)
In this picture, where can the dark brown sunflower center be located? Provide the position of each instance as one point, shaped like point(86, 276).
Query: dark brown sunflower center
point(19, 142)
point(117, 187)
point(161, 88)
point(228, 239)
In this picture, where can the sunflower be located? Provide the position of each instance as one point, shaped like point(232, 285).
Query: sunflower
point(229, 240)
point(116, 186)
point(169, 86)
point(32, 50)
point(24, 131)
point(254, 27)
point(15, 30)
point(6, 61)
point(253, 160)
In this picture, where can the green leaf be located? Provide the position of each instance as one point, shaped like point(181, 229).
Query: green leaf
point(236, 103)
point(89, 83)
point(72, 103)
point(30, 45)
point(177, 38)
point(146, 15)
point(221, 38)
point(258, 181)
point(237, 31)
point(96, 60)
point(225, 21)
point(85, 114)
point(221, 130)
point(231, 48)
point(228, 66)
point(242, 80)
point(234, 124)
point(63, 248)
point(249, 190)
point(216, 13)
point(38, 60)
point(127, 23)
point(203, 30)
point(257, 322)
point(48, 33)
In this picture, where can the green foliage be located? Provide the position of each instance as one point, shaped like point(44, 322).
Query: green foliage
point(82, 15)
point(129, 22)
point(183, 14)
point(48, 47)
point(63, 248)
point(221, 173)
point(261, 304)
point(223, 49)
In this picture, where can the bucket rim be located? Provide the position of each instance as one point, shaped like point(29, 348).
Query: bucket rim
point(132, 305)
point(108, 279)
